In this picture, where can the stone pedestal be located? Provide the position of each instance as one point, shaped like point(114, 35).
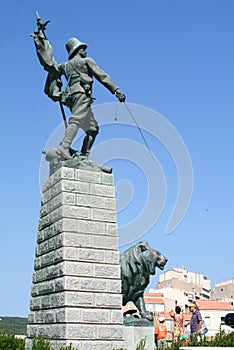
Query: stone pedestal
point(133, 335)
point(76, 290)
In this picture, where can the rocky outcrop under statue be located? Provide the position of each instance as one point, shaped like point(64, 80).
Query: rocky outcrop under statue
point(78, 161)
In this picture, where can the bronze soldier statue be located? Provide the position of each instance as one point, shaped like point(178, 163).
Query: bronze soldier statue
point(79, 71)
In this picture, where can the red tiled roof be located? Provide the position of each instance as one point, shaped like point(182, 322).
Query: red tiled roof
point(151, 294)
point(154, 300)
point(215, 305)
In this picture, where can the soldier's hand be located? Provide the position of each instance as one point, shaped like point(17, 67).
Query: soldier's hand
point(57, 97)
point(121, 97)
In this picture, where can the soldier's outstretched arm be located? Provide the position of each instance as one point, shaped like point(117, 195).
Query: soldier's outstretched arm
point(104, 79)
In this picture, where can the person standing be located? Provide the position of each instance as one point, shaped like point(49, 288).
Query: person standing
point(195, 321)
point(178, 323)
point(160, 332)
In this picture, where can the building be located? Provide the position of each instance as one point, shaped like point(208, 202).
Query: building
point(224, 291)
point(213, 313)
point(154, 302)
point(180, 287)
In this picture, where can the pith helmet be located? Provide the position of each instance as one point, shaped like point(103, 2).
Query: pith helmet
point(72, 45)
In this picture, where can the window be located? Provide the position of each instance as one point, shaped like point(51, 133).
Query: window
point(207, 320)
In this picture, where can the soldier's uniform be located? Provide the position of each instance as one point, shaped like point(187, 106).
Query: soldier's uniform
point(79, 72)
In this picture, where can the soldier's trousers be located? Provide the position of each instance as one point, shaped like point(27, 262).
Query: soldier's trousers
point(82, 114)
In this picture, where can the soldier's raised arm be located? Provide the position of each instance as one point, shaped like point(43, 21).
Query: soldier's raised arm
point(45, 55)
point(43, 48)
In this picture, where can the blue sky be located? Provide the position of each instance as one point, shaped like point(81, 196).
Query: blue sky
point(171, 57)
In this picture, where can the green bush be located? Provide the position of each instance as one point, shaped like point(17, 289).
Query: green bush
point(142, 344)
point(10, 342)
point(39, 343)
point(221, 339)
point(67, 348)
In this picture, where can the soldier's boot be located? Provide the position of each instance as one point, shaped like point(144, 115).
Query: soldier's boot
point(65, 145)
point(88, 141)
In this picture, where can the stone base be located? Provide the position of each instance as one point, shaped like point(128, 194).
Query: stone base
point(133, 336)
point(81, 345)
point(76, 291)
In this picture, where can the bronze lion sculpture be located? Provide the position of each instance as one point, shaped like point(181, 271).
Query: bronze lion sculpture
point(137, 264)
